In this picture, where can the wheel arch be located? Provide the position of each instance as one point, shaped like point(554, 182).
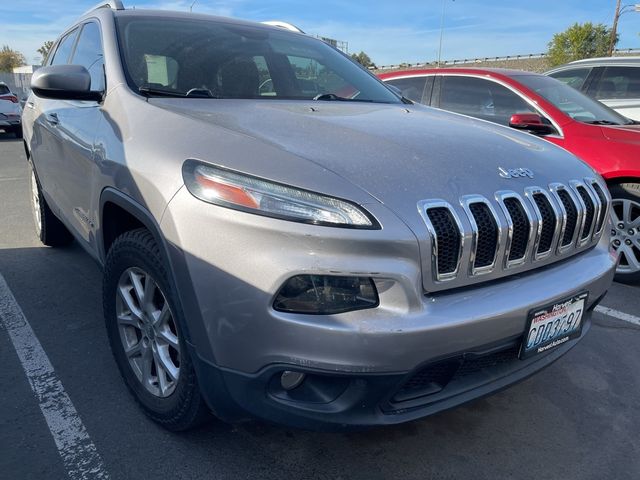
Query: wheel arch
point(120, 213)
point(613, 179)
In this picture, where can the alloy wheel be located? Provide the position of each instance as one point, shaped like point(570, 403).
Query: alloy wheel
point(625, 234)
point(148, 332)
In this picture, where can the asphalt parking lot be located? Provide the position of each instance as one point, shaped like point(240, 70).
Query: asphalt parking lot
point(578, 419)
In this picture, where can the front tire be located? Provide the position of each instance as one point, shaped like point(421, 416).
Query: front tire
point(625, 237)
point(49, 228)
point(142, 315)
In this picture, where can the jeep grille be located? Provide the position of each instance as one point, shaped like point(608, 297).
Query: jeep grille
point(513, 232)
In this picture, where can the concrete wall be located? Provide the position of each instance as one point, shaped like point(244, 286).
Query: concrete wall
point(18, 82)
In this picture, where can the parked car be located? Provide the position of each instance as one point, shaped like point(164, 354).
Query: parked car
point(7, 94)
point(312, 259)
point(614, 81)
point(607, 141)
point(10, 111)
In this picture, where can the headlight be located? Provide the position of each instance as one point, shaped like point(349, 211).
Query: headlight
point(255, 195)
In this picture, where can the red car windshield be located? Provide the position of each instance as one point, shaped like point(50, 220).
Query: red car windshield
point(571, 102)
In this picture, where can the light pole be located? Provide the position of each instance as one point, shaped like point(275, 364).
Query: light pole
point(444, 3)
point(620, 10)
point(192, 4)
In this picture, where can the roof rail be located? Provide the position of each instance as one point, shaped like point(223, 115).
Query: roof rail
point(285, 25)
point(113, 5)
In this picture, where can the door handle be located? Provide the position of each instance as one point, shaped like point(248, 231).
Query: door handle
point(52, 118)
point(30, 105)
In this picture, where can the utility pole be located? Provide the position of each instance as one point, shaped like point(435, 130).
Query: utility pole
point(194, 2)
point(444, 3)
point(614, 29)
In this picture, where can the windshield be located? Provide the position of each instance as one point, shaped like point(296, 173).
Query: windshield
point(571, 102)
point(212, 59)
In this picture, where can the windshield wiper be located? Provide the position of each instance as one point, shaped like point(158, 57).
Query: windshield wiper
point(329, 96)
point(193, 93)
point(334, 97)
point(601, 122)
point(150, 91)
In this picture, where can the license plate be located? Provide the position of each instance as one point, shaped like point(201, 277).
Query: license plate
point(551, 326)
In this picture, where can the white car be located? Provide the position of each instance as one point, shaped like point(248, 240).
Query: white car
point(615, 81)
point(10, 112)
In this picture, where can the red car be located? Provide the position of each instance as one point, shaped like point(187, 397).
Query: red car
point(541, 105)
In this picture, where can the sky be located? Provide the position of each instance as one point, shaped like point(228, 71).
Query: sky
point(389, 32)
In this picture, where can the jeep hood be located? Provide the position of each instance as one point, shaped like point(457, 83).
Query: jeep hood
point(399, 154)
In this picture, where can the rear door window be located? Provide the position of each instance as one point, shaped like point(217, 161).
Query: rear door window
point(88, 53)
point(481, 98)
point(575, 77)
point(63, 52)
point(618, 83)
point(411, 87)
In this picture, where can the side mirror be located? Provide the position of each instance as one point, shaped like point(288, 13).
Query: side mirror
point(531, 122)
point(63, 82)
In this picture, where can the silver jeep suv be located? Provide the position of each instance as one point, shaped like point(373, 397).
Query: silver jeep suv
point(284, 237)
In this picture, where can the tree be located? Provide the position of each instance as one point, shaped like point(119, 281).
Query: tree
point(363, 59)
point(9, 59)
point(579, 41)
point(44, 50)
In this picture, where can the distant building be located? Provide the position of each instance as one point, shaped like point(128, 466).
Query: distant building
point(26, 69)
point(19, 81)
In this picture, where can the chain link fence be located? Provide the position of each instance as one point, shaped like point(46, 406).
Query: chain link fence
point(534, 62)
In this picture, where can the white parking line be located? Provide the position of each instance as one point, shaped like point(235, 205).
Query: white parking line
point(79, 454)
point(618, 314)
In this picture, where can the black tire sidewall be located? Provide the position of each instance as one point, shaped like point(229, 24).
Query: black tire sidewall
point(39, 227)
point(53, 232)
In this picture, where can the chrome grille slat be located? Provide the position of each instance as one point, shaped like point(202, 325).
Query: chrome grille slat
point(588, 204)
point(549, 221)
point(538, 225)
point(424, 208)
point(520, 228)
point(601, 207)
point(572, 215)
point(483, 220)
point(590, 213)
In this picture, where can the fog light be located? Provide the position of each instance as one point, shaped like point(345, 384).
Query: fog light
point(290, 380)
point(324, 294)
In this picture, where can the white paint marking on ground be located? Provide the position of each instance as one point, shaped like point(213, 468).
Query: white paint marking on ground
point(618, 314)
point(79, 454)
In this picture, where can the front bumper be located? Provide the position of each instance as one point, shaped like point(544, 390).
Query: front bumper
point(230, 264)
point(343, 401)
